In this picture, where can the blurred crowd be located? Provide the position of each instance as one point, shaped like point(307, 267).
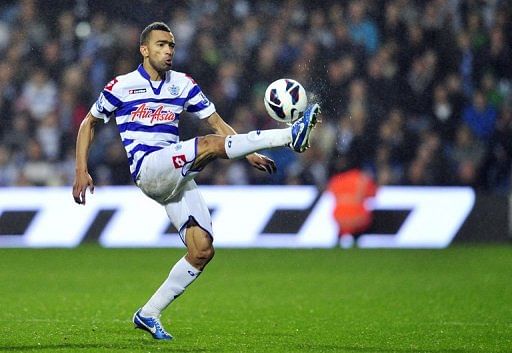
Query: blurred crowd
point(413, 92)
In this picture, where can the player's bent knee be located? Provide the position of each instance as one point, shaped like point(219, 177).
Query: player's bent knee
point(211, 144)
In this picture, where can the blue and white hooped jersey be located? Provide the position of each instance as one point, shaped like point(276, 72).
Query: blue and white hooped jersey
point(147, 113)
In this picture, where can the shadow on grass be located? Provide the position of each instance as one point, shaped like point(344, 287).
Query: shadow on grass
point(161, 346)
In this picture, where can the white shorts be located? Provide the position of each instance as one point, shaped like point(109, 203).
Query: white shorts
point(166, 177)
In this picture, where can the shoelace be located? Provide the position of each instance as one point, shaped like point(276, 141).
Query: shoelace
point(158, 326)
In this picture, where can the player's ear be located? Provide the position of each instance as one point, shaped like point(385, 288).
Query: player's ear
point(144, 51)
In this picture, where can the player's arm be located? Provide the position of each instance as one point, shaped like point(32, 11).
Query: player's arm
point(258, 161)
point(219, 126)
point(83, 179)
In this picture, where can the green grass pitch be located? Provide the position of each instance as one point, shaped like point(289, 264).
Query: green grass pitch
point(82, 300)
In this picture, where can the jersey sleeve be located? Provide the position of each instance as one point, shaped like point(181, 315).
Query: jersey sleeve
point(108, 101)
point(197, 104)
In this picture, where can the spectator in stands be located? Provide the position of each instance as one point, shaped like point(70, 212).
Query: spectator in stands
point(37, 170)
point(495, 171)
point(361, 27)
point(95, 51)
point(467, 154)
point(430, 165)
point(39, 95)
point(480, 117)
point(394, 28)
point(48, 134)
point(17, 137)
point(466, 63)
point(8, 170)
point(445, 118)
point(498, 54)
point(420, 80)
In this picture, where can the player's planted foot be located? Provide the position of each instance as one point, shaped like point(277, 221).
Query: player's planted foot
point(151, 325)
point(301, 128)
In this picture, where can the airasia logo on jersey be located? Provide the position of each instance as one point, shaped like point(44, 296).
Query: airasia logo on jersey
point(144, 113)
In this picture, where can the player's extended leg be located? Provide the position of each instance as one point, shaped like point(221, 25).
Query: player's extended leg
point(236, 146)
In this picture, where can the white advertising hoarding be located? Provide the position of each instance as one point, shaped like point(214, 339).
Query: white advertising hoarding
point(240, 217)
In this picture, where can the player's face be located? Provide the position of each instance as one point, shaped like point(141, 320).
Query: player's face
point(160, 50)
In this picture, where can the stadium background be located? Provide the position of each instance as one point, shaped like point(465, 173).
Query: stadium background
point(416, 93)
point(413, 93)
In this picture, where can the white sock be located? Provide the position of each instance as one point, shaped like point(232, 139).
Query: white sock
point(181, 276)
point(241, 145)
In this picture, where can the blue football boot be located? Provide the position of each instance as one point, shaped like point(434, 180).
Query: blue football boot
point(152, 325)
point(302, 127)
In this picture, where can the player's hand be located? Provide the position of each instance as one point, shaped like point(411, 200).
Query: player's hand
point(83, 180)
point(262, 162)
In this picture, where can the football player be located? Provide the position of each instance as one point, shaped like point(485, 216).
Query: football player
point(147, 105)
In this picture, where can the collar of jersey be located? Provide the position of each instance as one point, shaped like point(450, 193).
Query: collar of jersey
point(143, 73)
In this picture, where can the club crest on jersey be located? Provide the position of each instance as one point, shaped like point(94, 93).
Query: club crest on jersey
point(158, 114)
point(204, 100)
point(179, 161)
point(137, 91)
point(174, 90)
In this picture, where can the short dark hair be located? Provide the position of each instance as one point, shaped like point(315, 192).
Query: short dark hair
point(155, 26)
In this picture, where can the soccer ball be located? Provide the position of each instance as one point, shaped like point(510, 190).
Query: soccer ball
point(285, 100)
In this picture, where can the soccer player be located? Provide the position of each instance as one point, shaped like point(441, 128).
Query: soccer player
point(147, 105)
